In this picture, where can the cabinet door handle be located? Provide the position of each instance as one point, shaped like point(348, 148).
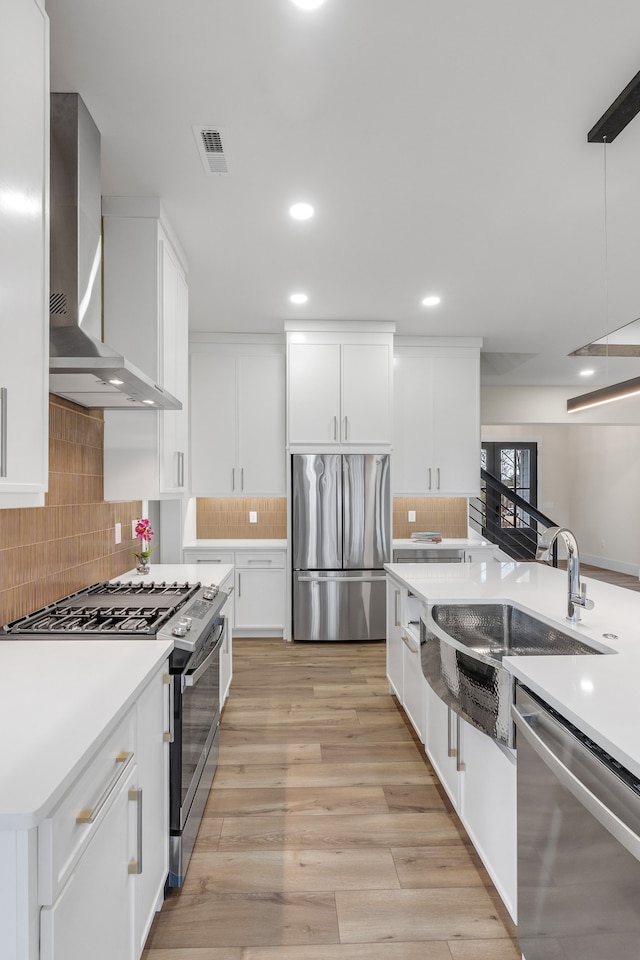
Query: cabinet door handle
point(264, 562)
point(396, 615)
point(89, 815)
point(3, 431)
point(135, 795)
point(335, 428)
point(346, 428)
point(242, 478)
point(180, 468)
point(239, 584)
point(451, 750)
point(460, 766)
point(168, 735)
point(209, 561)
point(407, 643)
point(438, 472)
point(233, 478)
point(429, 478)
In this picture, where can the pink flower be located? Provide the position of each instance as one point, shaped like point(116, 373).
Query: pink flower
point(144, 531)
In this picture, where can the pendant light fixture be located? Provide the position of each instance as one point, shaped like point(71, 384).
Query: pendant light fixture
point(623, 109)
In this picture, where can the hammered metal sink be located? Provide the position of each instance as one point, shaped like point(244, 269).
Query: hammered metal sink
point(500, 630)
point(461, 650)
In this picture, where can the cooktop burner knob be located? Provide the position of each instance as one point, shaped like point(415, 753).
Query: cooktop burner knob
point(187, 622)
point(209, 593)
point(180, 629)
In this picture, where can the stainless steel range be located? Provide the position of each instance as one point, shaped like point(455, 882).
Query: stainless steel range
point(189, 614)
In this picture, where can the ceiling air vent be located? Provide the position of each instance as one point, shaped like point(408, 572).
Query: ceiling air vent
point(211, 149)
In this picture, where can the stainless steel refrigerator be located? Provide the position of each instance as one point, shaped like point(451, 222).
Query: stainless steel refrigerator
point(341, 537)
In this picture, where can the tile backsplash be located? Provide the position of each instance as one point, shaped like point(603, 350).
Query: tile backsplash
point(227, 518)
point(48, 552)
point(446, 515)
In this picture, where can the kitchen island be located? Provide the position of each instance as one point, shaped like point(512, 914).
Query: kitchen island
point(595, 693)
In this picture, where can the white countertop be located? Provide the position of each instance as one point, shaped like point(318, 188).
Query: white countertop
point(60, 700)
point(235, 545)
point(462, 543)
point(599, 693)
point(209, 574)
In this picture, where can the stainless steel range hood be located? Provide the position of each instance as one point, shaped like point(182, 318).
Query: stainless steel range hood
point(81, 367)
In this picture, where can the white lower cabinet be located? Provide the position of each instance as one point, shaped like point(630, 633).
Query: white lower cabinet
point(260, 591)
point(404, 669)
point(442, 745)
point(488, 808)
point(93, 915)
point(102, 855)
point(479, 777)
point(259, 605)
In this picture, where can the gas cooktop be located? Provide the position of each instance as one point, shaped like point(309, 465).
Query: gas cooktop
point(125, 609)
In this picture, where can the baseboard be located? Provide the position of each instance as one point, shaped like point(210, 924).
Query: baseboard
point(619, 566)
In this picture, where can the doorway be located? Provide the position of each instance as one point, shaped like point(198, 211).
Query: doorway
point(515, 465)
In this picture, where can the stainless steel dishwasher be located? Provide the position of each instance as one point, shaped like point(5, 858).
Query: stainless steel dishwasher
point(578, 842)
point(427, 555)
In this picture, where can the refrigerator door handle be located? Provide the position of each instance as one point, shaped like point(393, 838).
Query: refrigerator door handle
point(341, 579)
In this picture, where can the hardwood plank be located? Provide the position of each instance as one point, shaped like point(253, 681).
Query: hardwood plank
point(417, 915)
point(423, 867)
point(436, 950)
point(351, 732)
point(280, 715)
point(416, 798)
point(393, 830)
point(197, 953)
point(291, 871)
point(279, 753)
point(368, 752)
point(318, 801)
point(485, 950)
point(250, 919)
point(321, 774)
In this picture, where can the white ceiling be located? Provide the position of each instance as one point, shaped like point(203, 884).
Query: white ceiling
point(443, 144)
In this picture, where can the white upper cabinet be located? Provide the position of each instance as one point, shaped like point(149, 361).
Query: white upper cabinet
point(237, 420)
point(436, 421)
point(146, 316)
point(24, 254)
point(339, 385)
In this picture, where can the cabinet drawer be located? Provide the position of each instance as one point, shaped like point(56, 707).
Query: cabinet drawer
point(215, 556)
point(260, 558)
point(63, 837)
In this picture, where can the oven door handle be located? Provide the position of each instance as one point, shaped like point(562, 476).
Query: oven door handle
point(190, 679)
point(605, 817)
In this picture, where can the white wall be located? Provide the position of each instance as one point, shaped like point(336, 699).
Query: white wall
point(588, 480)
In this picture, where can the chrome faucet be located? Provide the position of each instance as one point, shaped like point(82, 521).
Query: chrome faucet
point(577, 592)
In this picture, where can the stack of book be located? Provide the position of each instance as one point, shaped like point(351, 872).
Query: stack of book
point(427, 537)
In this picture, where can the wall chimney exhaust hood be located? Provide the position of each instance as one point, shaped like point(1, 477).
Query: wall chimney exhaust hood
point(81, 367)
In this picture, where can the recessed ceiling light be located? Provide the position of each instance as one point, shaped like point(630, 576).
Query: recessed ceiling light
point(116, 382)
point(308, 4)
point(150, 402)
point(298, 298)
point(301, 211)
point(587, 373)
point(430, 301)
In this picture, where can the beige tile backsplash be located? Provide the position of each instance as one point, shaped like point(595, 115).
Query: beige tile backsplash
point(48, 552)
point(227, 518)
point(445, 515)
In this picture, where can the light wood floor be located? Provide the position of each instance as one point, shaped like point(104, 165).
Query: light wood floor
point(326, 835)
